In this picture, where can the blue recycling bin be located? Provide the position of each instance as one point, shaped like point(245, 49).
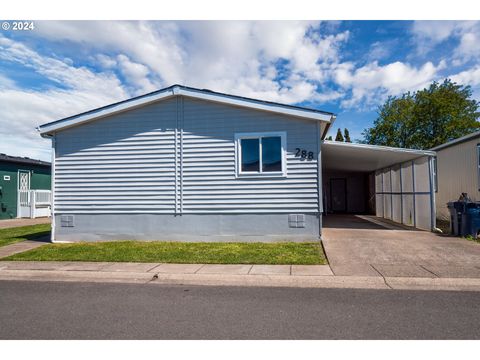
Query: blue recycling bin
point(470, 219)
point(464, 218)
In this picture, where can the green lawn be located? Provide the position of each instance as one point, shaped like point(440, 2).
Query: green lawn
point(12, 235)
point(180, 252)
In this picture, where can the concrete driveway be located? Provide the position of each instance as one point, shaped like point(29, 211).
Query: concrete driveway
point(355, 245)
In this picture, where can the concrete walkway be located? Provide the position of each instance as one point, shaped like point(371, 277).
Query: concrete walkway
point(10, 223)
point(357, 246)
point(301, 276)
point(19, 247)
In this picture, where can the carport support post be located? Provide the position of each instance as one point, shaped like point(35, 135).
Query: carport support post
point(401, 195)
point(433, 217)
point(391, 194)
point(319, 178)
point(413, 188)
point(383, 196)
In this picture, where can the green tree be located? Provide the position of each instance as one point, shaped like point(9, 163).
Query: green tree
point(426, 118)
point(346, 135)
point(329, 138)
point(339, 136)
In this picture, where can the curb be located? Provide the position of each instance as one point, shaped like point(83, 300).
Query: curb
point(339, 282)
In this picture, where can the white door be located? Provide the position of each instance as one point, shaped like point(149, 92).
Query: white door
point(23, 180)
point(23, 204)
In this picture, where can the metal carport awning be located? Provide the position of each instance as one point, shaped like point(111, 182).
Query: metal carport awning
point(404, 190)
point(365, 158)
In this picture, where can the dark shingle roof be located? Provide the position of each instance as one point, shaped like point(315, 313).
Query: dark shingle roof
point(23, 160)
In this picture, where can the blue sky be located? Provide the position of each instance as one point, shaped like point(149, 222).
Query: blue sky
point(347, 67)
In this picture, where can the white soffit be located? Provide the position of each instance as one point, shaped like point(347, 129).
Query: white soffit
point(366, 158)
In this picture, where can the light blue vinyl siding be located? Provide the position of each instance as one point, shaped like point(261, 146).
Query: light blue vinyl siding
point(210, 184)
point(124, 163)
point(132, 162)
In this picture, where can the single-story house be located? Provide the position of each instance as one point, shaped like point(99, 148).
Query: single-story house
point(20, 177)
point(196, 165)
point(457, 171)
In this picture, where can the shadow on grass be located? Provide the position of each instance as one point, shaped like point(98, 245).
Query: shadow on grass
point(41, 236)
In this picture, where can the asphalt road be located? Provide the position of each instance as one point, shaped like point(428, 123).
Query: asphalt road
point(48, 310)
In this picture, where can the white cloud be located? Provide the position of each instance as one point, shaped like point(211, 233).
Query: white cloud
point(432, 33)
point(469, 45)
point(435, 31)
point(136, 75)
point(6, 83)
point(468, 77)
point(24, 109)
point(373, 82)
point(225, 56)
point(105, 61)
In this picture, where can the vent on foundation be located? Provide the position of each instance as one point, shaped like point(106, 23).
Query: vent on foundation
point(66, 221)
point(296, 220)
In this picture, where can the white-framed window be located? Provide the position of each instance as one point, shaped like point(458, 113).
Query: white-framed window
point(261, 154)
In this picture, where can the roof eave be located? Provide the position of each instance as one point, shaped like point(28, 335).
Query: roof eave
point(381, 148)
point(47, 129)
point(457, 141)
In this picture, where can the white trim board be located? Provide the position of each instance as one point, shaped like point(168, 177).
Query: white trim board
point(260, 174)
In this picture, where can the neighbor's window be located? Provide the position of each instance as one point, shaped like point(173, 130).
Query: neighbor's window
point(261, 154)
point(435, 174)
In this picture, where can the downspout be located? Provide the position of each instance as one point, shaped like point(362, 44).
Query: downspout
point(319, 179)
point(176, 158)
point(181, 152)
point(52, 204)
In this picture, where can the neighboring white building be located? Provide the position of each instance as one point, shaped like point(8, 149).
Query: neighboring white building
point(196, 165)
point(457, 171)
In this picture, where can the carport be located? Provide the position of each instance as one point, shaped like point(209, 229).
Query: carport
point(391, 183)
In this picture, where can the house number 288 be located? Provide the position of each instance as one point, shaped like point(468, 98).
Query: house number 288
point(304, 154)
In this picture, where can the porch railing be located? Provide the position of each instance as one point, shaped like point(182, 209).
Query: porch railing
point(34, 203)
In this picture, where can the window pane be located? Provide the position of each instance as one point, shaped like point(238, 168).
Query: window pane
point(250, 155)
point(271, 154)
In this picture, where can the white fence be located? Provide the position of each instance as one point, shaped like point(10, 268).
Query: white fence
point(34, 203)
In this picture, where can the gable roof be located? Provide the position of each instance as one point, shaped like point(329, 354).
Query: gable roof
point(23, 160)
point(457, 141)
point(179, 90)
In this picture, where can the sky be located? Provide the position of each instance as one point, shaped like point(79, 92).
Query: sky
point(61, 68)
